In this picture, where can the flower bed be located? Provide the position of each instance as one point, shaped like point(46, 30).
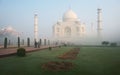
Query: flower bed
point(57, 66)
point(72, 54)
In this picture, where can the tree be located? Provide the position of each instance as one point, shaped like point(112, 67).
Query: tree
point(48, 42)
point(28, 42)
point(105, 43)
point(22, 41)
point(113, 44)
point(9, 42)
point(18, 41)
point(5, 42)
point(40, 41)
point(35, 43)
point(45, 42)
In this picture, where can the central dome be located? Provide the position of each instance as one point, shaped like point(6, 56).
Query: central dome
point(69, 16)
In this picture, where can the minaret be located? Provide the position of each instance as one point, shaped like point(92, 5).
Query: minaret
point(99, 23)
point(36, 28)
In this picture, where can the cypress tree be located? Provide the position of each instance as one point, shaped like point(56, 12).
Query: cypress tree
point(45, 42)
point(9, 42)
point(40, 41)
point(18, 41)
point(22, 41)
point(48, 42)
point(28, 42)
point(5, 42)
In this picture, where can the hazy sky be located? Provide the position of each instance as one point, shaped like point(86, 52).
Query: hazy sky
point(20, 14)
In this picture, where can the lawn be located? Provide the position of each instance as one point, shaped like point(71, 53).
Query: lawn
point(90, 61)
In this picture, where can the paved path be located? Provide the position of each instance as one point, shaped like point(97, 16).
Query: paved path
point(12, 51)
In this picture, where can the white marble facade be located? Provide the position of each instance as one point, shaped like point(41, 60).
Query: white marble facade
point(69, 27)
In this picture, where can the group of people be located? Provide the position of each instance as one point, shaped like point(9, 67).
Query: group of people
point(37, 44)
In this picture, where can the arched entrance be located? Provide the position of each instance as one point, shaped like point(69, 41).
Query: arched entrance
point(67, 31)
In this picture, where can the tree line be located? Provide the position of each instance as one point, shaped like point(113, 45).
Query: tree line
point(19, 42)
point(107, 43)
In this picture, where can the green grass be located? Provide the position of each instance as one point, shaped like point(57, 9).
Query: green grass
point(90, 61)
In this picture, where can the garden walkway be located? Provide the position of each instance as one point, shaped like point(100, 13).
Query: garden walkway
point(12, 51)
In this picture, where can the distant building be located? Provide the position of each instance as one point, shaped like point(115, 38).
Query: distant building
point(10, 33)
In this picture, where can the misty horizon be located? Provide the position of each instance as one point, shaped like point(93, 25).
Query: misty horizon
point(20, 16)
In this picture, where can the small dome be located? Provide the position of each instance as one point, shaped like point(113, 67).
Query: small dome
point(9, 28)
point(69, 16)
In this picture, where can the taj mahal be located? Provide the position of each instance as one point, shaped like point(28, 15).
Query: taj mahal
point(68, 29)
point(71, 29)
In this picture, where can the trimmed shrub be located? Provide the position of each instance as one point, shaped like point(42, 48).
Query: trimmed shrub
point(21, 52)
point(59, 46)
point(65, 45)
point(50, 48)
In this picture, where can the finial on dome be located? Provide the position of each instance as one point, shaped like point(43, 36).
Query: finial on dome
point(70, 5)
